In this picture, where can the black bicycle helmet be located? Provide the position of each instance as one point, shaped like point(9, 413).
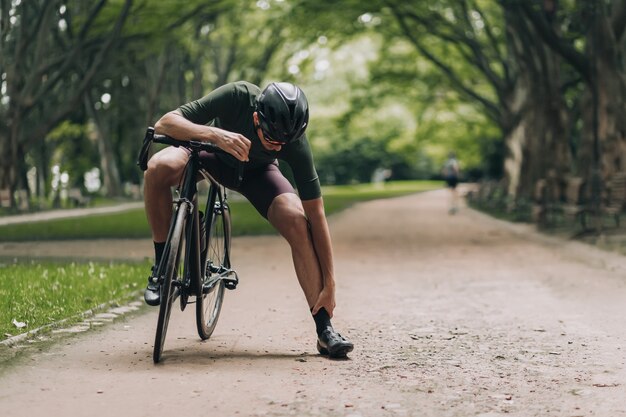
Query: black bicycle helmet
point(283, 112)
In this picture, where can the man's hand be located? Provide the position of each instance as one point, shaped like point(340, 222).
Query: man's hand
point(326, 299)
point(235, 144)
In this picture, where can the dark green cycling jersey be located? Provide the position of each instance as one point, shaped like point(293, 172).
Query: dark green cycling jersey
point(230, 107)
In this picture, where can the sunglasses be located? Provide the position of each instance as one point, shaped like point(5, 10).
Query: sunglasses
point(269, 140)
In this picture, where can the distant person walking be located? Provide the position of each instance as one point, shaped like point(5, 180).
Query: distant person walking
point(451, 175)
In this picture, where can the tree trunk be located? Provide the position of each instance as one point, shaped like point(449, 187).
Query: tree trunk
point(108, 164)
point(538, 142)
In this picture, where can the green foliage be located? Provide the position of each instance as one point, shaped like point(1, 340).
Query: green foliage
point(411, 43)
point(39, 294)
point(394, 118)
point(73, 151)
point(375, 100)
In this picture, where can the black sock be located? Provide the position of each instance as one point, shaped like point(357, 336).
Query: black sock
point(159, 247)
point(322, 321)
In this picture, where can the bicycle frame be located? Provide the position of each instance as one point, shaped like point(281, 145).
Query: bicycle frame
point(200, 272)
point(188, 201)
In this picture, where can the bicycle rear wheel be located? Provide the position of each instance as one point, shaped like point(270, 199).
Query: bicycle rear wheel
point(170, 273)
point(211, 294)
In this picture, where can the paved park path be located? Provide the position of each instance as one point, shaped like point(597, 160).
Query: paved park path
point(451, 316)
point(68, 213)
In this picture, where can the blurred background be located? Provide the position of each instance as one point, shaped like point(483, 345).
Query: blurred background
point(528, 93)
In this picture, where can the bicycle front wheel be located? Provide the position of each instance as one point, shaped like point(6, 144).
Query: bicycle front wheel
point(170, 271)
point(211, 295)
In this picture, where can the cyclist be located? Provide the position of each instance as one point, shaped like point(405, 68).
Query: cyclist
point(256, 128)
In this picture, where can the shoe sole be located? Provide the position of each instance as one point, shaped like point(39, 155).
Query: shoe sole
point(340, 352)
point(152, 302)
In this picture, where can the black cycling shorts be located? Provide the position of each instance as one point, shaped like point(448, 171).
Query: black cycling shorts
point(452, 181)
point(259, 185)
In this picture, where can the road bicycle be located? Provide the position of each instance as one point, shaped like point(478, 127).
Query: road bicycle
point(195, 266)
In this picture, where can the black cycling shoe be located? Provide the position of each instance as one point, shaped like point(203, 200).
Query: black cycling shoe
point(333, 344)
point(152, 295)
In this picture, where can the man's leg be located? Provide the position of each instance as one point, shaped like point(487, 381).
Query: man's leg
point(287, 215)
point(164, 171)
point(454, 198)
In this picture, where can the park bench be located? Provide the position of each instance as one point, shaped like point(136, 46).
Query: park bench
point(22, 200)
point(133, 191)
point(5, 198)
point(615, 197)
point(575, 207)
point(491, 193)
point(76, 197)
point(546, 202)
point(539, 208)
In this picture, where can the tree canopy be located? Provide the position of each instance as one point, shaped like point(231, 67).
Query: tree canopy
point(520, 89)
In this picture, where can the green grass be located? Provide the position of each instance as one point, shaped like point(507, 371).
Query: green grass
point(246, 221)
point(42, 293)
point(337, 198)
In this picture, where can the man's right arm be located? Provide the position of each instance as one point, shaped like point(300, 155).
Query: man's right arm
point(174, 124)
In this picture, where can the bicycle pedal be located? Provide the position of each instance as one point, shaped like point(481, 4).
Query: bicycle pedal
point(231, 283)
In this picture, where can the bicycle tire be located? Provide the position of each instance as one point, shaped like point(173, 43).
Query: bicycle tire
point(172, 255)
point(209, 302)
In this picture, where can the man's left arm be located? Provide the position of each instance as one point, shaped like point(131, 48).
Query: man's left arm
point(320, 234)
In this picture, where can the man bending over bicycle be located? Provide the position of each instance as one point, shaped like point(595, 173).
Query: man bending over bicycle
point(256, 128)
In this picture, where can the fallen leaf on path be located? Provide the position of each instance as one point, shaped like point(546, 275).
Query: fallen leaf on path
point(18, 324)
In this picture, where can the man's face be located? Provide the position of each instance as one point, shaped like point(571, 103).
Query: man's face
point(266, 142)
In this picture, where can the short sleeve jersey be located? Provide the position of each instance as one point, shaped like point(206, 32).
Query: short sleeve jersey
point(230, 107)
point(451, 167)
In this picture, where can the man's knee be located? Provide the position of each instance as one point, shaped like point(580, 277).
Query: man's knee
point(288, 216)
point(293, 224)
point(165, 168)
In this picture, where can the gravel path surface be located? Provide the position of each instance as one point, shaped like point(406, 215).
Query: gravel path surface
point(451, 316)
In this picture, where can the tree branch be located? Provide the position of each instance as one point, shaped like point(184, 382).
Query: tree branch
point(556, 43)
point(459, 37)
point(493, 41)
point(493, 111)
point(70, 104)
